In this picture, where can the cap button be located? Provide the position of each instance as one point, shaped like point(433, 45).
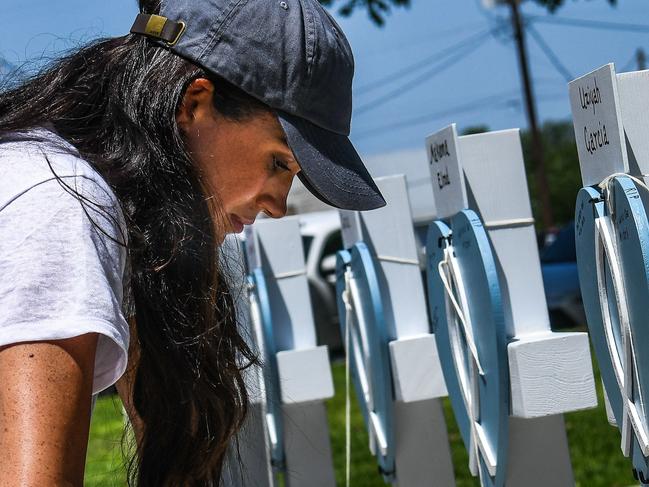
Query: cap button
point(284, 5)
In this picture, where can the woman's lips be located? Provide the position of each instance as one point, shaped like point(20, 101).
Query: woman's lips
point(238, 223)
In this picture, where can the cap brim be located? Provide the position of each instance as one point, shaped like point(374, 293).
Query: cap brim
point(331, 168)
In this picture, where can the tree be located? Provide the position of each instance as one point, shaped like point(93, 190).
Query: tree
point(562, 169)
point(378, 9)
point(475, 129)
point(553, 5)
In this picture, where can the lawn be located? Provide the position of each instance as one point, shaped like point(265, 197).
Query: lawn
point(104, 465)
point(594, 445)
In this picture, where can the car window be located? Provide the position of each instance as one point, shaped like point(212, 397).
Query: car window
point(563, 248)
point(334, 244)
point(307, 240)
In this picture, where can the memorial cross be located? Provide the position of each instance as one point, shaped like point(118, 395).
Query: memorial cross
point(393, 355)
point(548, 373)
point(297, 375)
point(612, 239)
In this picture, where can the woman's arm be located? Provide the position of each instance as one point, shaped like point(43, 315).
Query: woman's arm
point(45, 400)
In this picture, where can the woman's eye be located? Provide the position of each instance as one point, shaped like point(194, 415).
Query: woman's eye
point(277, 164)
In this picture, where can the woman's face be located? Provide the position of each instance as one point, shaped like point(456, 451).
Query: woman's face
point(247, 164)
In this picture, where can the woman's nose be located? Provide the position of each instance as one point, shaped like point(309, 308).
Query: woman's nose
point(274, 205)
point(277, 209)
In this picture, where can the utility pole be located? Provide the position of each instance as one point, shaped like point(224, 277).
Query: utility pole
point(641, 59)
point(538, 165)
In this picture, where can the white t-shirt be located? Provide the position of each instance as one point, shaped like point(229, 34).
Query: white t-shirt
point(61, 266)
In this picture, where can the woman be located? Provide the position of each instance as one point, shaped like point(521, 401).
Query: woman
point(122, 167)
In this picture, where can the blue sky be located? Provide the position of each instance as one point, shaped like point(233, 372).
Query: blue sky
point(477, 84)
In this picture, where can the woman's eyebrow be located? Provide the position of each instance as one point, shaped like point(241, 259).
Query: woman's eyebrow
point(281, 137)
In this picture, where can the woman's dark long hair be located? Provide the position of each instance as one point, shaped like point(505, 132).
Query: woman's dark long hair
point(115, 101)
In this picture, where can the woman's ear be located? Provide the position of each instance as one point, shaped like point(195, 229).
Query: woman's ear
point(196, 104)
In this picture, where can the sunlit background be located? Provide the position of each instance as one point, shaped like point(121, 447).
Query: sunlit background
point(430, 64)
point(433, 63)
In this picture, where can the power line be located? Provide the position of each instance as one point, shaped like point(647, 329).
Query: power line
point(513, 100)
point(550, 54)
point(641, 58)
point(496, 21)
point(493, 101)
point(467, 107)
point(629, 65)
point(419, 64)
point(537, 160)
point(425, 76)
point(590, 24)
point(420, 39)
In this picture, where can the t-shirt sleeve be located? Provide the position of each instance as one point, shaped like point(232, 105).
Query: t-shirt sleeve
point(61, 269)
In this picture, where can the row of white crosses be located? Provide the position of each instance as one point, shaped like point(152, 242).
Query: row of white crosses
point(611, 119)
point(545, 374)
point(480, 199)
point(489, 310)
point(383, 313)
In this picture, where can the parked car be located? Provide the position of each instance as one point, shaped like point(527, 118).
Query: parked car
point(561, 280)
point(322, 239)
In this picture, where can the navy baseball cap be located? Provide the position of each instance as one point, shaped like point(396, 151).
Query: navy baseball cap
point(292, 56)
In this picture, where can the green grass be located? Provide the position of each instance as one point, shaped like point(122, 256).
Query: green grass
point(594, 445)
point(104, 464)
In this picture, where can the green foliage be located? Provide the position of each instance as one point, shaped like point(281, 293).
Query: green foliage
point(594, 445)
point(379, 9)
point(562, 169)
point(475, 129)
point(376, 9)
point(105, 463)
point(553, 5)
point(364, 472)
point(597, 459)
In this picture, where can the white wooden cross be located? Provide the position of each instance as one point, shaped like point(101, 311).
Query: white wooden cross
point(304, 374)
point(610, 120)
point(422, 451)
point(550, 373)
